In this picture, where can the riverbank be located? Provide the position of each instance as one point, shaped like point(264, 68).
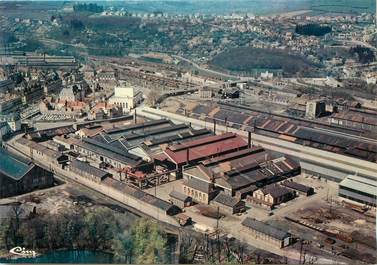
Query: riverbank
point(48, 216)
point(66, 256)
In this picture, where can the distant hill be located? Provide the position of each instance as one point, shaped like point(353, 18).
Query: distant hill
point(248, 59)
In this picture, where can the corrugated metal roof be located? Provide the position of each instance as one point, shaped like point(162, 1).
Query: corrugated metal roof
point(296, 186)
point(205, 148)
point(360, 183)
point(333, 173)
point(13, 167)
point(83, 166)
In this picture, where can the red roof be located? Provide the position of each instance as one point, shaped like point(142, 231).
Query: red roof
point(206, 147)
point(201, 141)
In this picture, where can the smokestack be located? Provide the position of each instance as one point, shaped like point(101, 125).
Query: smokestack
point(135, 117)
point(214, 126)
point(188, 155)
point(249, 139)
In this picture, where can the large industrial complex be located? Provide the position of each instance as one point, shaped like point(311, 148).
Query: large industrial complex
point(235, 139)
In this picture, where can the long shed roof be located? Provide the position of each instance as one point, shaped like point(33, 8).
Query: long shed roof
point(12, 166)
point(265, 228)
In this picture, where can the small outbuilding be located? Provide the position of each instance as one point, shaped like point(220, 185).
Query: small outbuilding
point(183, 219)
point(228, 204)
point(179, 199)
point(299, 188)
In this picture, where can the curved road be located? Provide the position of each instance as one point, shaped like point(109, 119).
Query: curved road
point(209, 71)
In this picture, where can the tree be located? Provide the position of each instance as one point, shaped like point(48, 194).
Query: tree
point(149, 242)
point(122, 247)
point(4, 226)
point(100, 227)
point(152, 97)
point(313, 29)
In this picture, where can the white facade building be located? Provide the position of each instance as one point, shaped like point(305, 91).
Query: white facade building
point(126, 97)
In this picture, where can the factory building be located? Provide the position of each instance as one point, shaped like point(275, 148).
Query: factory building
point(359, 189)
point(227, 204)
point(267, 233)
point(298, 187)
point(239, 173)
point(84, 169)
point(315, 109)
point(126, 97)
point(272, 195)
point(19, 175)
point(298, 132)
point(39, 152)
point(192, 152)
point(199, 191)
point(47, 62)
point(102, 152)
point(312, 169)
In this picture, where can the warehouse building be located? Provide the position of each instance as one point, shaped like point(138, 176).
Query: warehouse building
point(102, 152)
point(192, 152)
point(298, 187)
point(267, 233)
point(84, 169)
point(142, 199)
point(39, 152)
point(240, 173)
point(19, 175)
point(200, 191)
point(319, 171)
point(359, 189)
point(272, 195)
point(227, 204)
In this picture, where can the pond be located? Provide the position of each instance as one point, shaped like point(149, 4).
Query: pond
point(66, 256)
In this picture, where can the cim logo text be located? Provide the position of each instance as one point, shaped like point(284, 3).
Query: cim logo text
point(20, 251)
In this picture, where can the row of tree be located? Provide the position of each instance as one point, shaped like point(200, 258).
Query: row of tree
point(313, 29)
point(100, 229)
point(93, 8)
point(364, 54)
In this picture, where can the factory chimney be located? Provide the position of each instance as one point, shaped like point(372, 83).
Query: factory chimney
point(214, 126)
point(135, 117)
point(249, 139)
point(188, 155)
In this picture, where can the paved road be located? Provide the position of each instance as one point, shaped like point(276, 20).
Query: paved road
point(359, 43)
point(209, 71)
